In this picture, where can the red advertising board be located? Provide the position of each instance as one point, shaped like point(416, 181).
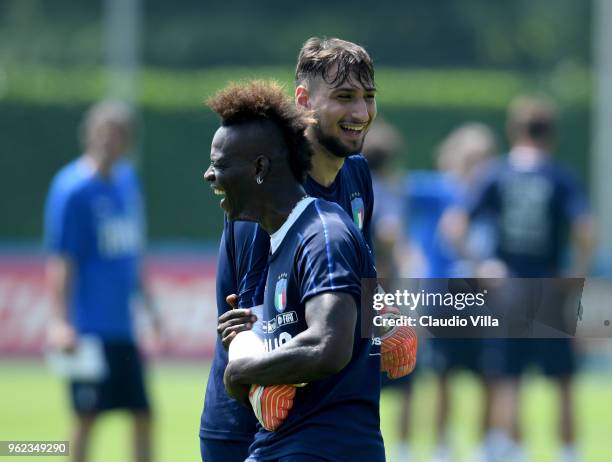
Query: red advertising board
point(183, 287)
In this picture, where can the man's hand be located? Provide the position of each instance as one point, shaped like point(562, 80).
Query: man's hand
point(398, 350)
point(61, 335)
point(153, 338)
point(271, 404)
point(235, 390)
point(233, 321)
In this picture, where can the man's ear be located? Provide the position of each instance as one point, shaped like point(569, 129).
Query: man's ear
point(262, 167)
point(302, 96)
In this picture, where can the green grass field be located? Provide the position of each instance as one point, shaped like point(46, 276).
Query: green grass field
point(34, 406)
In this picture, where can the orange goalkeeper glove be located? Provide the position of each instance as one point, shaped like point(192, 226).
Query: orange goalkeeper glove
point(398, 348)
point(271, 404)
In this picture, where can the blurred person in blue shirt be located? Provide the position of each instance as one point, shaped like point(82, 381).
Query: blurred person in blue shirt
point(94, 230)
point(381, 148)
point(539, 211)
point(434, 199)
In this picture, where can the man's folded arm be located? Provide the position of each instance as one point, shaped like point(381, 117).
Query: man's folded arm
point(323, 349)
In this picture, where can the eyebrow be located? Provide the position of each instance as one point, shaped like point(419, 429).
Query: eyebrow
point(351, 88)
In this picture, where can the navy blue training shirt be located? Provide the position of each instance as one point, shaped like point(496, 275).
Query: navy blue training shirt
point(319, 250)
point(243, 254)
point(351, 190)
point(532, 210)
point(241, 269)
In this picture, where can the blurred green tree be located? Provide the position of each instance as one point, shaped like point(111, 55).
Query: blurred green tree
point(522, 34)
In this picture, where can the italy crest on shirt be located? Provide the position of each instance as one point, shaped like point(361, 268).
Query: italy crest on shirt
point(358, 211)
point(280, 295)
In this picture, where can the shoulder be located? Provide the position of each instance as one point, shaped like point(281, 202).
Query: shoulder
point(331, 253)
point(322, 211)
point(125, 167)
point(245, 238)
point(69, 182)
point(125, 172)
point(357, 160)
point(357, 164)
point(496, 166)
point(493, 171)
point(244, 228)
point(328, 221)
point(561, 172)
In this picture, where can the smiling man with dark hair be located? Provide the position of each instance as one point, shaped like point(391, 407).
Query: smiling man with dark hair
point(335, 84)
point(318, 258)
point(335, 79)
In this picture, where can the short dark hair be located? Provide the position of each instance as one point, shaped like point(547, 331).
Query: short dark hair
point(532, 116)
point(265, 100)
point(382, 144)
point(107, 111)
point(319, 55)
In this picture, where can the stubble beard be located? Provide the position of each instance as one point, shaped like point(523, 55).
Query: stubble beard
point(334, 145)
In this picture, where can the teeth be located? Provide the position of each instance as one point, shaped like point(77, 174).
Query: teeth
point(354, 127)
point(218, 192)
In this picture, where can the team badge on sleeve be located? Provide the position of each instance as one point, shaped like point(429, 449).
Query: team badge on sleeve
point(280, 295)
point(358, 211)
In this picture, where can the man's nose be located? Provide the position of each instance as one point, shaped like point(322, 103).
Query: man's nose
point(360, 110)
point(209, 175)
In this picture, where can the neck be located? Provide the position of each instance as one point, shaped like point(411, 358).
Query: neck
point(533, 145)
point(279, 206)
point(325, 166)
point(526, 156)
point(98, 164)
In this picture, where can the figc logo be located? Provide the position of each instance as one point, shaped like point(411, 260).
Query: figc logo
point(280, 295)
point(358, 211)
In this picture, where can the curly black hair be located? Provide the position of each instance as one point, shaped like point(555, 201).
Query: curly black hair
point(265, 100)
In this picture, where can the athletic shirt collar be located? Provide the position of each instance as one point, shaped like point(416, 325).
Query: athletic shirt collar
point(526, 158)
point(277, 237)
point(325, 191)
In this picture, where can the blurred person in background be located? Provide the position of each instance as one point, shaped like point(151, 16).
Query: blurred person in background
point(434, 204)
point(94, 226)
point(382, 146)
point(539, 210)
point(462, 156)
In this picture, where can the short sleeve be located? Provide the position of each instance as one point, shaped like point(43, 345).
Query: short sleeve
point(574, 200)
point(252, 247)
point(369, 204)
point(483, 196)
point(329, 258)
point(62, 233)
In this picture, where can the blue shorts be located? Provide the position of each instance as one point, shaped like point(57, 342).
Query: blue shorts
point(493, 359)
point(554, 357)
point(451, 354)
point(122, 388)
point(214, 450)
point(403, 383)
point(290, 458)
